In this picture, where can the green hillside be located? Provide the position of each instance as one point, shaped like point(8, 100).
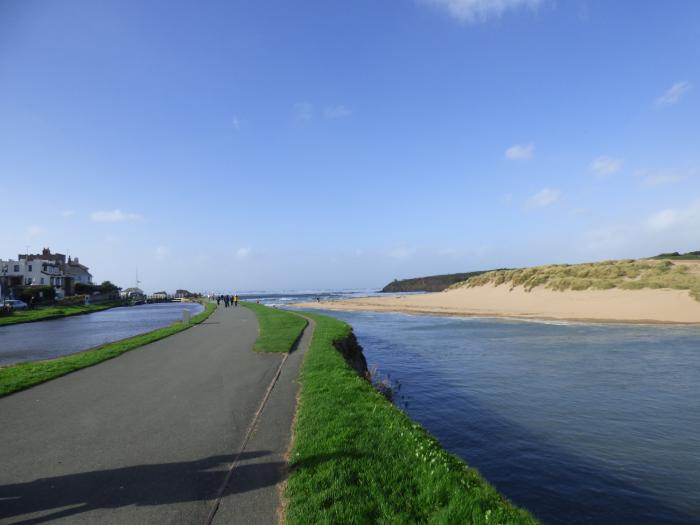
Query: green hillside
point(432, 283)
point(626, 274)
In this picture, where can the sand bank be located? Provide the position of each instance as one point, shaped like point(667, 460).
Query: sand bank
point(615, 305)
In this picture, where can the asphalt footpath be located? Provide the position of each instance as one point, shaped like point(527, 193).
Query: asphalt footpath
point(190, 429)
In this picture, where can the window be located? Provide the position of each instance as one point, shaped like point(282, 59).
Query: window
point(44, 267)
point(30, 267)
point(42, 281)
point(29, 280)
point(17, 267)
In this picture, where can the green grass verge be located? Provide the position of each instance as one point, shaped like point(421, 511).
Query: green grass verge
point(358, 459)
point(24, 375)
point(279, 329)
point(626, 274)
point(52, 312)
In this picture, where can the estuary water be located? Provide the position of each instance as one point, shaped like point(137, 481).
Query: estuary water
point(580, 424)
point(57, 337)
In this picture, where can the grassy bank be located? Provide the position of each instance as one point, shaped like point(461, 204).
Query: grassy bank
point(625, 274)
point(52, 312)
point(279, 329)
point(359, 459)
point(24, 375)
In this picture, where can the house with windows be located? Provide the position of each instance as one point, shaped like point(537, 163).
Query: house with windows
point(42, 269)
point(11, 276)
point(134, 295)
point(76, 273)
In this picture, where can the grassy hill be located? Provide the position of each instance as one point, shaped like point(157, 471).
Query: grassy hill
point(675, 256)
point(432, 283)
point(625, 274)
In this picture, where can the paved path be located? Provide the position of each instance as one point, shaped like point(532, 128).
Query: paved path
point(151, 437)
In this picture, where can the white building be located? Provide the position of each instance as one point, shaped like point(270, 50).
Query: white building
point(77, 272)
point(44, 269)
point(11, 275)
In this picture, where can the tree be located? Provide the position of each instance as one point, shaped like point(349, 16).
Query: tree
point(108, 287)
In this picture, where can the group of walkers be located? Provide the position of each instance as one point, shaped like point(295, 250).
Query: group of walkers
point(228, 300)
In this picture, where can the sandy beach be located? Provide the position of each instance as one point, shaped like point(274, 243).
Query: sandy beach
point(613, 306)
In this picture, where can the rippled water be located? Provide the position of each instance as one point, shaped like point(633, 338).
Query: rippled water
point(578, 423)
point(48, 339)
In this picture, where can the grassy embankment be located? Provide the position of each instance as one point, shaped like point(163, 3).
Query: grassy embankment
point(18, 377)
point(52, 312)
point(278, 329)
point(359, 459)
point(626, 274)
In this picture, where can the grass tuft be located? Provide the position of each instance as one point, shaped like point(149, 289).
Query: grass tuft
point(279, 329)
point(358, 459)
point(24, 375)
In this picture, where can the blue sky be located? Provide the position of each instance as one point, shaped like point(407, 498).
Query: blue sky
point(337, 144)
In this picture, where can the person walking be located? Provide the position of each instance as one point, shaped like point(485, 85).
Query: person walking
point(235, 300)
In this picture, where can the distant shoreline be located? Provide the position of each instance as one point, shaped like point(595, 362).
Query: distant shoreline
point(642, 307)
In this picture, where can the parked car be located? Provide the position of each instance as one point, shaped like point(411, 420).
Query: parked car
point(15, 304)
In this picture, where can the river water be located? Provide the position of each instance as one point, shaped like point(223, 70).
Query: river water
point(580, 424)
point(49, 339)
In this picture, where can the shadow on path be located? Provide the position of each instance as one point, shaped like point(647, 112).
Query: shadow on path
point(141, 485)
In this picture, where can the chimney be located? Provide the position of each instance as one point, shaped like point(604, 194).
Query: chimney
point(45, 251)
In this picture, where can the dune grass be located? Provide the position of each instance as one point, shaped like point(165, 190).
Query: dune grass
point(24, 375)
point(625, 274)
point(279, 329)
point(52, 312)
point(358, 459)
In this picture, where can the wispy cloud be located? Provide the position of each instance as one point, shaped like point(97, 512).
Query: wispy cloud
point(236, 123)
point(604, 166)
point(162, 253)
point(474, 11)
point(654, 178)
point(114, 216)
point(673, 94)
point(67, 213)
point(543, 198)
point(35, 231)
point(303, 110)
point(243, 253)
point(401, 252)
point(675, 218)
point(520, 151)
point(335, 112)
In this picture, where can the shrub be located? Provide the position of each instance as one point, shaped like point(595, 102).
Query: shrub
point(41, 294)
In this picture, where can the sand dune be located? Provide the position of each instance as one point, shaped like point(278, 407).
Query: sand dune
point(615, 305)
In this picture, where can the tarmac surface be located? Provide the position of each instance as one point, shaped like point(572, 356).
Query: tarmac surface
point(190, 429)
